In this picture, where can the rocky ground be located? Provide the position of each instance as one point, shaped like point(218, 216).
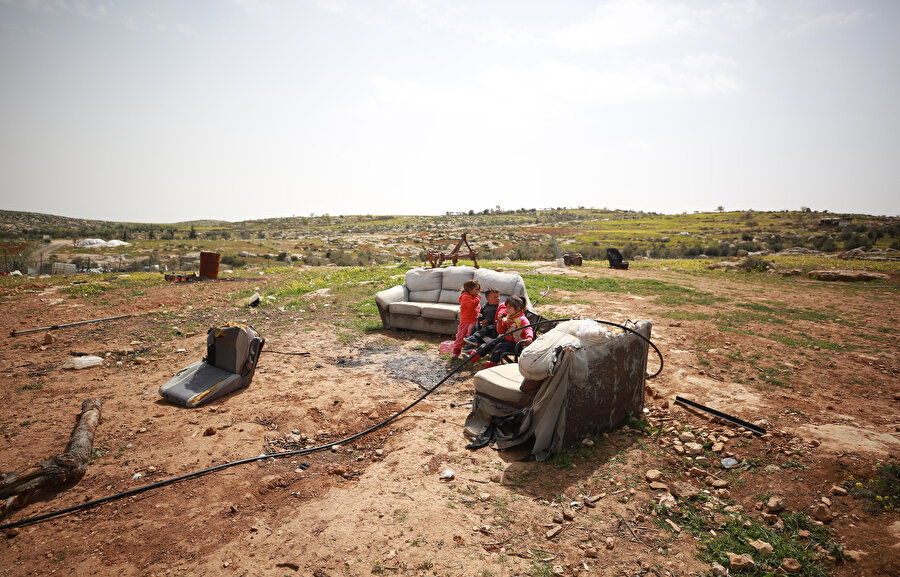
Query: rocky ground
point(650, 499)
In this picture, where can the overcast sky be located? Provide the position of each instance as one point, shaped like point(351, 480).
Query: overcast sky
point(167, 110)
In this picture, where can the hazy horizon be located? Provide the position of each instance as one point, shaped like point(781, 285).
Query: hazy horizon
point(162, 111)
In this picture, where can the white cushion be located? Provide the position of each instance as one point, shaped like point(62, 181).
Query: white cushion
point(440, 311)
point(456, 276)
point(424, 279)
point(506, 283)
point(502, 382)
point(450, 297)
point(406, 308)
point(431, 296)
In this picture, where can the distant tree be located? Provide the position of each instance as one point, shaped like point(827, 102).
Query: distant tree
point(193, 233)
point(720, 208)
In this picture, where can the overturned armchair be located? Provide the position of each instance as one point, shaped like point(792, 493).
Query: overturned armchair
point(574, 382)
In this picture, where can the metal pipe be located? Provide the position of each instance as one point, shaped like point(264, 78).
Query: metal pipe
point(721, 415)
point(50, 328)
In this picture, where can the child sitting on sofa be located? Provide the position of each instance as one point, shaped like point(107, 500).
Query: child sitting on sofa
point(514, 319)
point(469, 307)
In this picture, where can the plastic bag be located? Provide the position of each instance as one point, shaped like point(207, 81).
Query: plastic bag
point(446, 347)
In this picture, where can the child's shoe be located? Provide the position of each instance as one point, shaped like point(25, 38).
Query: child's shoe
point(472, 340)
point(489, 364)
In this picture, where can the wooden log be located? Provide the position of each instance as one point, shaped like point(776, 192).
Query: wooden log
point(18, 488)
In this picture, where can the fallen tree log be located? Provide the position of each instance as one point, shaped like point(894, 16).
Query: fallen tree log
point(18, 488)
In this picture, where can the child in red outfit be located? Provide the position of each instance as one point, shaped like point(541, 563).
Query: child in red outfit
point(515, 318)
point(469, 307)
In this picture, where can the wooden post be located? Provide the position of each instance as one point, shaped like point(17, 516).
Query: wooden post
point(56, 473)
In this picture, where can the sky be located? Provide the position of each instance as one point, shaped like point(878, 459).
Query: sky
point(165, 110)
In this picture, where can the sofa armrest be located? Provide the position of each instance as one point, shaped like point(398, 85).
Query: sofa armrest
point(384, 299)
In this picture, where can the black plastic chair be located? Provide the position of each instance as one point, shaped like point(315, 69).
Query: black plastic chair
point(616, 260)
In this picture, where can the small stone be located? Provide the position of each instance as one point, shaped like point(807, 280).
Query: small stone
point(379, 452)
point(679, 449)
point(557, 517)
point(826, 501)
point(740, 562)
point(687, 437)
point(684, 490)
point(568, 514)
point(49, 339)
point(674, 527)
point(762, 547)
point(693, 448)
point(791, 565)
point(855, 556)
point(141, 360)
point(718, 570)
point(587, 442)
point(720, 483)
point(822, 513)
point(772, 469)
point(496, 477)
point(610, 543)
point(718, 448)
point(590, 552)
point(838, 491)
point(553, 532)
point(775, 504)
point(657, 486)
point(485, 496)
point(447, 475)
point(209, 431)
point(653, 475)
point(803, 533)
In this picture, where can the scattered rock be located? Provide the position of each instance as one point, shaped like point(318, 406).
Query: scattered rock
point(762, 547)
point(855, 556)
point(718, 570)
point(693, 448)
point(846, 275)
point(610, 543)
point(657, 486)
point(687, 437)
point(775, 504)
point(141, 360)
point(674, 527)
point(209, 431)
point(790, 565)
point(822, 513)
point(447, 475)
point(718, 447)
point(590, 553)
point(720, 483)
point(568, 514)
point(838, 491)
point(653, 475)
point(740, 562)
point(553, 532)
point(49, 339)
point(684, 490)
point(557, 517)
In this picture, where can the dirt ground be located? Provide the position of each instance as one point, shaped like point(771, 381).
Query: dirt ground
point(378, 505)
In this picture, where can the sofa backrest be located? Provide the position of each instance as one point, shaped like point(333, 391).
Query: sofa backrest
point(444, 284)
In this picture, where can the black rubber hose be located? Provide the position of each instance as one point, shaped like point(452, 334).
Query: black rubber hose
point(373, 428)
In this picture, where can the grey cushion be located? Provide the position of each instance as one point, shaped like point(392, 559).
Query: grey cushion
point(405, 308)
point(440, 311)
point(431, 296)
point(506, 283)
point(450, 297)
point(424, 279)
point(455, 277)
point(503, 383)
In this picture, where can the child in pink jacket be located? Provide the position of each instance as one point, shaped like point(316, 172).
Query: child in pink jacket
point(469, 307)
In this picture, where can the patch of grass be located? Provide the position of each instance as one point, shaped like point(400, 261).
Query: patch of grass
point(676, 294)
point(400, 515)
point(30, 387)
point(882, 491)
point(540, 569)
point(684, 315)
point(734, 535)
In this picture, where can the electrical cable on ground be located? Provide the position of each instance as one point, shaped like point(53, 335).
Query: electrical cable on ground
point(373, 428)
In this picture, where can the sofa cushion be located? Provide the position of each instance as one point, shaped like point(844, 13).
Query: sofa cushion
point(440, 311)
point(424, 279)
point(450, 297)
point(505, 383)
point(406, 308)
point(455, 276)
point(508, 284)
point(431, 296)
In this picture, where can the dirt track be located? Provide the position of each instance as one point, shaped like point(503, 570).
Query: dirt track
point(379, 505)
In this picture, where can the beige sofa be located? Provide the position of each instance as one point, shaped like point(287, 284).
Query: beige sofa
point(428, 300)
